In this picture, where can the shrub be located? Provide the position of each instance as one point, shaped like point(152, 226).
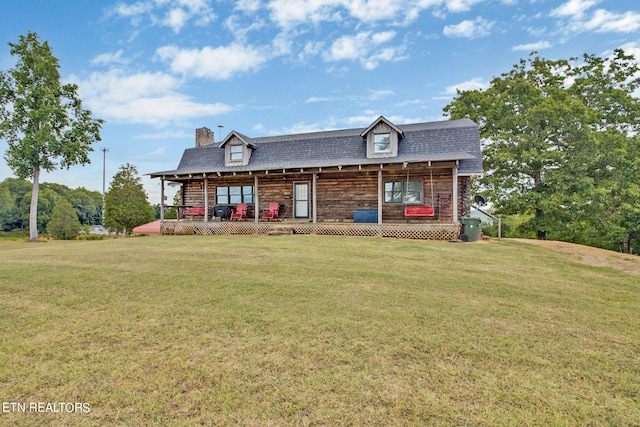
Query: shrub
point(64, 224)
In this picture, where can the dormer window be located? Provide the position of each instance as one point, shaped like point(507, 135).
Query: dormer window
point(235, 152)
point(237, 149)
point(382, 139)
point(381, 143)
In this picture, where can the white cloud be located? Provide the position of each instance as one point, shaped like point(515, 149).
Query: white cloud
point(375, 95)
point(176, 19)
point(158, 152)
point(149, 98)
point(302, 127)
point(314, 99)
point(365, 47)
point(175, 14)
point(241, 30)
point(604, 21)
point(109, 58)
point(290, 13)
point(349, 47)
point(600, 21)
point(219, 63)
point(408, 102)
point(133, 10)
point(249, 6)
point(474, 84)
point(374, 10)
point(311, 49)
point(574, 8)
point(461, 5)
point(529, 47)
point(479, 27)
point(383, 37)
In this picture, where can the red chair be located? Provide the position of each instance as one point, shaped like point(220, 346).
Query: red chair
point(239, 213)
point(271, 214)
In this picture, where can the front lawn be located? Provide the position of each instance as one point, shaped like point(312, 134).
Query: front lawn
point(311, 330)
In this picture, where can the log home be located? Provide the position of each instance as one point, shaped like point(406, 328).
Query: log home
point(383, 174)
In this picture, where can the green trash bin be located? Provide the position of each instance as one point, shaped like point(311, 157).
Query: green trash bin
point(470, 229)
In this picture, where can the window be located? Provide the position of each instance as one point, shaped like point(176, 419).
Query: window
point(234, 194)
point(382, 143)
point(235, 153)
point(403, 191)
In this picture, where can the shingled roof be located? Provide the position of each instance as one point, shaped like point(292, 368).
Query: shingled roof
point(434, 141)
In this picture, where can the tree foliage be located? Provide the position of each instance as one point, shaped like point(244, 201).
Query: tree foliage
point(42, 120)
point(126, 204)
point(561, 144)
point(64, 224)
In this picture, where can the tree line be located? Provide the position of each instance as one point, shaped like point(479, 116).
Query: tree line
point(15, 201)
point(63, 211)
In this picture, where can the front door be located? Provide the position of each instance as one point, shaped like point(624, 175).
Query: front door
point(301, 200)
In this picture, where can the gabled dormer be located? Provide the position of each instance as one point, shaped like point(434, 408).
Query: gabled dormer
point(382, 139)
point(237, 149)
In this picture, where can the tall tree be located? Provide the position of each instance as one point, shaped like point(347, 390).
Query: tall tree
point(126, 204)
point(42, 119)
point(556, 136)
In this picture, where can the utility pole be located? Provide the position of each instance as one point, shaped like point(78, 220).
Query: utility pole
point(104, 179)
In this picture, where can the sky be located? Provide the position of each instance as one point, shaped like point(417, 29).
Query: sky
point(155, 70)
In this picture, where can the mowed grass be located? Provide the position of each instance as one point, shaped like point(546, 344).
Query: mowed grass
point(312, 330)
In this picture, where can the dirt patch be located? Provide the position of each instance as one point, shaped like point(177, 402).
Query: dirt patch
point(593, 256)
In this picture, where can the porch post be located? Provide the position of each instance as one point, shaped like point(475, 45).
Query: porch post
point(206, 199)
point(314, 199)
point(380, 196)
point(161, 199)
point(256, 199)
point(454, 196)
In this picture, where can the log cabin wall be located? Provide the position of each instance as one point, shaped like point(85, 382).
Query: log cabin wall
point(339, 193)
point(434, 183)
point(193, 193)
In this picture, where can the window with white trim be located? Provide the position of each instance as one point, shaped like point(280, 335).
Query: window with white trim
point(407, 191)
point(236, 152)
point(232, 195)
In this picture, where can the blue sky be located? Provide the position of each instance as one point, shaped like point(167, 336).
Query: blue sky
point(155, 70)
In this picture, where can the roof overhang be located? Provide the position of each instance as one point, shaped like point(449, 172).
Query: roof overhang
point(285, 167)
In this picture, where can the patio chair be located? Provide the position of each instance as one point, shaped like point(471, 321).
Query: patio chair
point(239, 213)
point(271, 214)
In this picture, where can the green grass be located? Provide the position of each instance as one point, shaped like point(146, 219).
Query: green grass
point(309, 330)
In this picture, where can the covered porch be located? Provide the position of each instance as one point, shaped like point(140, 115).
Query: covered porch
point(407, 193)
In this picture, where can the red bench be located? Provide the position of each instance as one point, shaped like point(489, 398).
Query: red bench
point(419, 211)
point(193, 211)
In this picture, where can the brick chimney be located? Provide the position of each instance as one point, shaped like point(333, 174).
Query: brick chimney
point(204, 136)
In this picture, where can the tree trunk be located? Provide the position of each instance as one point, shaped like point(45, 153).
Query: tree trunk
point(542, 235)
point(627, 243)
point(33, 209)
